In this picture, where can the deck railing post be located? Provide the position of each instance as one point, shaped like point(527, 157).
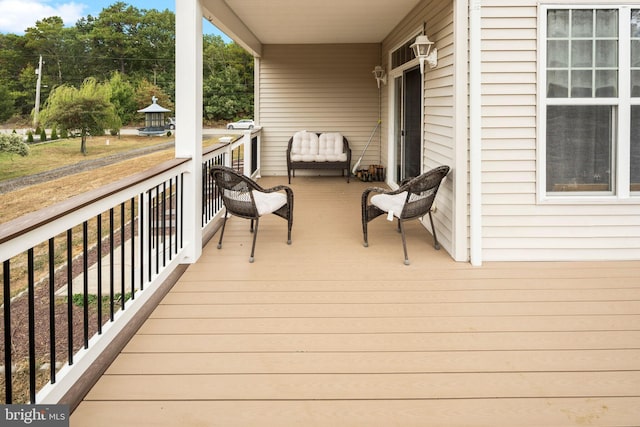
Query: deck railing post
point(246, 164)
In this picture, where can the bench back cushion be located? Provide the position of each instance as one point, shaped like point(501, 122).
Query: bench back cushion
point(331, 148)
point(304, 146)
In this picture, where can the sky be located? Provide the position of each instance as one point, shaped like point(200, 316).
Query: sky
point(17, 15)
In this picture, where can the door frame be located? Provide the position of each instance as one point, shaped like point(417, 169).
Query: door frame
point(392, 178)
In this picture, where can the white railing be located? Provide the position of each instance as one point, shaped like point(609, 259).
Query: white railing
point(113, 247)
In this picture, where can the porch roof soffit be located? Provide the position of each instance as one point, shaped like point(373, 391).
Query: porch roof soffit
point(253, 23)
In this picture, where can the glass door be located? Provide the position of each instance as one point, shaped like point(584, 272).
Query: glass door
point(408, 123)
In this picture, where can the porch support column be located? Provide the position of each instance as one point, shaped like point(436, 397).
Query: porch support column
point(189, 118)
point(475, 131)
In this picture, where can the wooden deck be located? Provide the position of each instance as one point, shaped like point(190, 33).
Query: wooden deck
point(326, 332)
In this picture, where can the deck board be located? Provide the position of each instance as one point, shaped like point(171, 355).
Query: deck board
point(325, 332)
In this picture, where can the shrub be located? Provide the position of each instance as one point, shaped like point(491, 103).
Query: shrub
point(30, 137)
point(54, 133)
point(13, 144)
point(43, 135)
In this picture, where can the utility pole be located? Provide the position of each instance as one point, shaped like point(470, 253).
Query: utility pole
point(37, 109)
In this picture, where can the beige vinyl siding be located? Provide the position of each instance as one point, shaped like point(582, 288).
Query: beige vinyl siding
point(317, 88)
point(438, 101)
point(515, 225)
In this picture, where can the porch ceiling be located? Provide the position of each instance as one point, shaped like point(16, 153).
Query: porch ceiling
point(309, 21)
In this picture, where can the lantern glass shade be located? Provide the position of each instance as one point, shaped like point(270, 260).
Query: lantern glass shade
point(422, 46)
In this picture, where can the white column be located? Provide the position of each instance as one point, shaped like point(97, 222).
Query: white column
point(475, 130)
point(460, 170)
point(189, 117)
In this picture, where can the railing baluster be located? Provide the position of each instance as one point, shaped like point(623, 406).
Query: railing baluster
point(32, 327)
point(171, 217)
point(111, 265)
point(141, 225)
point(70, 296)
point(123, 289)
point(150, 228)
point(52, 311)
point(157, 228)
point(164, 224)
point(182, 210)
point(133, 250)
point(99, 279)
point(204, 202)
point(8, 347)
point(85, 283)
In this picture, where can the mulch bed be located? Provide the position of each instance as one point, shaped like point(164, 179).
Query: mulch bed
point(20, 328)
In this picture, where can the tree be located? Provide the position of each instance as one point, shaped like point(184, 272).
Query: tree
point(146, 90)
point(156, 44)
point(12, 143)
point(123, 98)
point(228, 80)
point(47, 39)
point(13, 58)
point(87, 110)
point(6, 103)
point(114, 37)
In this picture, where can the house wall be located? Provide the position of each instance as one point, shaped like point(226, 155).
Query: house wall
point(316, 88)
point(441, 125)
point(516, 225)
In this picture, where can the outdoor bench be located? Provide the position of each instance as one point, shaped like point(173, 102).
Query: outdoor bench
point(315, 150)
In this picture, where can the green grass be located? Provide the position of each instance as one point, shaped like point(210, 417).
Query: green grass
point(51, 155)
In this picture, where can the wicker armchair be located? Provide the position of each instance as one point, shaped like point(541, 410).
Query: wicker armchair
point(412, 200)
point(244, 198)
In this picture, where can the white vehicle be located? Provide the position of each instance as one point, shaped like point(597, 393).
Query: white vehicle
point(242, 124)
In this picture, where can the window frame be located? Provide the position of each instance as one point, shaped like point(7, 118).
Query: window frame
point(621, 132)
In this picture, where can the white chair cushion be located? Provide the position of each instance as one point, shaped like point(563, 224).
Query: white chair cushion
point(390, 202)
point(267, 203)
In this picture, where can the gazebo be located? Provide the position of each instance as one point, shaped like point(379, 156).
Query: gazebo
point(153, 118)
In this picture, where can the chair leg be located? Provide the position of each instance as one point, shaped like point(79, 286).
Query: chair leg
point(224, 223)
point(404, 244)
point(433, 230)
point(255, 235)
point(251, 227)
point(364, 230)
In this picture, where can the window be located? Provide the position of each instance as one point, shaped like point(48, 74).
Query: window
point(591, 101)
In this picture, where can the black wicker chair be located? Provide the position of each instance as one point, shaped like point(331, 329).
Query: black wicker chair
point(412, 200)
point(244, 198)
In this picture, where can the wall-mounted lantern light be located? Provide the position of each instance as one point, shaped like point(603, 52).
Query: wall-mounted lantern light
point(380, 75)
point(425, 52)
